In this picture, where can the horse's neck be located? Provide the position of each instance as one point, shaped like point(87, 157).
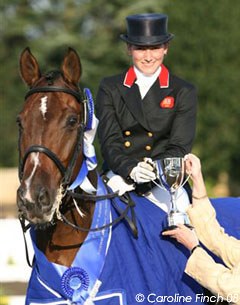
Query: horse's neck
point(65, 240)
point(62, 243)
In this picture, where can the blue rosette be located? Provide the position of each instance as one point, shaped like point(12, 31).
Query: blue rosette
point(74, 282)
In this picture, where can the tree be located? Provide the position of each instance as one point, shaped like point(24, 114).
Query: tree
point(205, 51)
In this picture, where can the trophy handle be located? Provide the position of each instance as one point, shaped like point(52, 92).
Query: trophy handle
point(186, 180)
point(174, 194)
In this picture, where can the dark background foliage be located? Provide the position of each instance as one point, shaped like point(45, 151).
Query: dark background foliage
point(204, 51)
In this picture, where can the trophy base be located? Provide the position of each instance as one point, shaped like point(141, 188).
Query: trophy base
point(175, 218)
point(173, 227)
point(169, 228)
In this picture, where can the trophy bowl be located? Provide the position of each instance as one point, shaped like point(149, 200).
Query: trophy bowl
point(171, 173)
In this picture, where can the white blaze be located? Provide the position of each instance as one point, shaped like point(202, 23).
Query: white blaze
point(43, 106)
point(35, 161)
point(34, 158)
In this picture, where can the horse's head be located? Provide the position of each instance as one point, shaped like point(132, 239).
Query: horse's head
point(51, 126)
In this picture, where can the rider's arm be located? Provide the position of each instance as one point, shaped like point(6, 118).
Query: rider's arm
point(110, 133)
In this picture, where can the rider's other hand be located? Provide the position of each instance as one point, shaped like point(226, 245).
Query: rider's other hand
point(143, 172)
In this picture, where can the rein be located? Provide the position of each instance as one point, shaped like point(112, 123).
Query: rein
point(122, 213)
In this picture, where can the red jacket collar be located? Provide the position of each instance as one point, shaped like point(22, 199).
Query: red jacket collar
point(130, 77)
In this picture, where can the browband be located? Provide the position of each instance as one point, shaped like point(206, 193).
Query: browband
point(76, 94)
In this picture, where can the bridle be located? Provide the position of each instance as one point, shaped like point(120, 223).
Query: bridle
point(67, 172)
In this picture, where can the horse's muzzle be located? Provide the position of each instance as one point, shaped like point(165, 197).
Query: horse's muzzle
point(36, 207)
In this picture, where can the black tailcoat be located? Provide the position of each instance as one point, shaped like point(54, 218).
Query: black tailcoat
point(161, 125)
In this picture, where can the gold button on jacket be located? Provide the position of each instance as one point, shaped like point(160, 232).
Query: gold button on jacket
point(127, 144)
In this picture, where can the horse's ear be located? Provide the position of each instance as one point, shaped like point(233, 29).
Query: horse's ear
point(29, 68)
point(71, 67)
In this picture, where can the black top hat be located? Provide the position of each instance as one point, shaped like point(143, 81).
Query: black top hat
point(147, 30)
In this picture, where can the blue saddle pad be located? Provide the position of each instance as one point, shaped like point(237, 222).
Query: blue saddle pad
point(149, 269)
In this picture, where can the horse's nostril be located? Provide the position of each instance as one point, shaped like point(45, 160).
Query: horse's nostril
point(21, 193)
point(21, 202)
point(29, 205)
point(43, 198)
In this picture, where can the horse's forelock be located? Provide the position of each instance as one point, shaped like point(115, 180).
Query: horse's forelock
point(52, 76)
point(56, 75)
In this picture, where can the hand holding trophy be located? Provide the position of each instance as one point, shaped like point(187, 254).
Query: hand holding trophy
point(171, 172)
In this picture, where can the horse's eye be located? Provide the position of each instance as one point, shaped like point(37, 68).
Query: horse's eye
point(72, 121)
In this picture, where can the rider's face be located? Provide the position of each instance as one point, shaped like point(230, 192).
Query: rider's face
point(147, 59)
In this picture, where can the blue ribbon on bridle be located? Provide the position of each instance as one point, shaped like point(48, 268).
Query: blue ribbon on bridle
point(90, 160)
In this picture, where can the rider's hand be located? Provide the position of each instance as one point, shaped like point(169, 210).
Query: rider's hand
point(143, 172)
point(117, 184)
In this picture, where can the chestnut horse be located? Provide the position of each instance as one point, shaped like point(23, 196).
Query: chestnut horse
point(83, 252)
point(51, 127)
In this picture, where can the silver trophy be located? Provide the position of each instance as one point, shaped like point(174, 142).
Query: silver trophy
point(171, 176)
